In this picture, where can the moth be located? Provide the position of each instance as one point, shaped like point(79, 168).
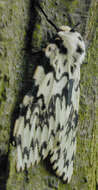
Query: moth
point(47, 122)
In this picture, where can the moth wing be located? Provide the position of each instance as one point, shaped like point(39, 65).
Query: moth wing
point(23, 132)
point(32, 131)
point(64, 149)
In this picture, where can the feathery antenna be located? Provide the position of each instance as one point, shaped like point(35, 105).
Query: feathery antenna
point(57, 29)
point(72, 29)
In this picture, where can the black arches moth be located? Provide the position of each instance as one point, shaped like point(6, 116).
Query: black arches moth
point(47, 123)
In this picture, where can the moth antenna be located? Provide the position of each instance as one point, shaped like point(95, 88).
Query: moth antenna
point(75, 26)
point(57, 29)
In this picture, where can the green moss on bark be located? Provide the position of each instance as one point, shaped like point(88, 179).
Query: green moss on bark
point(13, 21)
point(87, 135)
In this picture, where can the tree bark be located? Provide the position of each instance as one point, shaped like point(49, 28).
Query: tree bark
point(24, 31)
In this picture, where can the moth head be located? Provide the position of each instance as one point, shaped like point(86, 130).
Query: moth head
point(67, 28)
point(73, 42)
point(64, 28)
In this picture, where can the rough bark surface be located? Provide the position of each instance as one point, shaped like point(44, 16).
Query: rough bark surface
point(24, 30)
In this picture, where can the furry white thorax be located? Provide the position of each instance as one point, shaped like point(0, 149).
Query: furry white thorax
point(70, 40)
